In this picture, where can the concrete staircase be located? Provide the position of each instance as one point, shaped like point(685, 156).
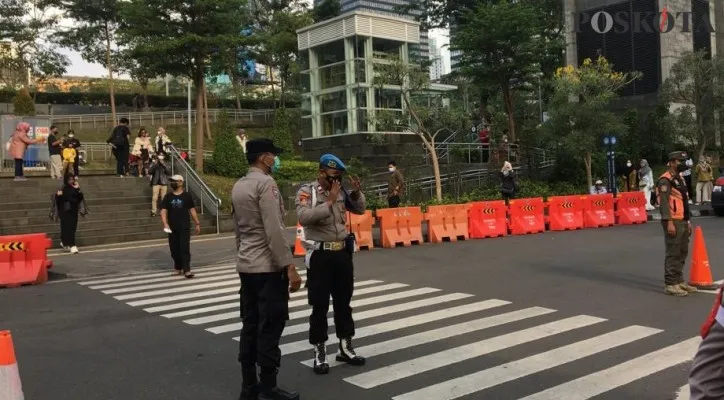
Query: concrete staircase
point(119, 210)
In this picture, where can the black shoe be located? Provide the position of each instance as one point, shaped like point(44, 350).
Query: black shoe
point(249, 393)
point(277, 394)
point(321, 367)
point(346, 353)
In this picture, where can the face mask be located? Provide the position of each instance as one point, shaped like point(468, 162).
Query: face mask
point(160, 158)
point(174, 185)
point(628, 165)
point(71, 136)
point(391, 169)
point(332, 179)
point(681, 167)
point(277, 164)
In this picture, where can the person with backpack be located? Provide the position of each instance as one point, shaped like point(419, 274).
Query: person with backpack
point(120, 143)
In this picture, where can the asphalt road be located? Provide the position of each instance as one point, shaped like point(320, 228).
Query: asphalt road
point(574, 315)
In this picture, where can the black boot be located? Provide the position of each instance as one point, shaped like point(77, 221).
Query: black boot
point(249, 383)
point(346, 353)
point(321, 367)
point(268, 389)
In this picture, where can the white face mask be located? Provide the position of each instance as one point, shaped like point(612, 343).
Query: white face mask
point(160, 158)
point(628, 164)
point(71, 135)
point(391, 169)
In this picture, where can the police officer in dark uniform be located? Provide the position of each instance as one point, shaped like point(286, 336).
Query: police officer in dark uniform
point(266, 270)
point(321, 209)
point(675, 219)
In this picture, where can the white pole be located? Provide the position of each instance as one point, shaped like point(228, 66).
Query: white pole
point(167, 79)
point(189, 114)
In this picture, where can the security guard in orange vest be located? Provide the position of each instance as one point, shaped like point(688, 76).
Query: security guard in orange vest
point(674, 206)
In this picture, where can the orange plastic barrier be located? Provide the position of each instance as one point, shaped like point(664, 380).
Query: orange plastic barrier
point(526, 216)
point(447, 223)
point(598, 210)
point(24, 259)
point(565, 213)
point(400, 226)
point(361, 226)
point(631, 208)
point(487, 219)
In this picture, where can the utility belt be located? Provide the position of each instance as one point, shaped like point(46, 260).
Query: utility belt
point(348, 245)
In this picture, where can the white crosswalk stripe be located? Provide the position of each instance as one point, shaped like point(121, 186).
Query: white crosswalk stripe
point(395, 321)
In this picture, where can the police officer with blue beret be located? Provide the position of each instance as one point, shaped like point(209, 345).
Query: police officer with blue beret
point(321, 209)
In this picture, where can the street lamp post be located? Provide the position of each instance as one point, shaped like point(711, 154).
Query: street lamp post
point(189, 115)
point(610, 143)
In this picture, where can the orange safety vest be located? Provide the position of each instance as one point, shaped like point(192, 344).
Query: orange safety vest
point(676, 199)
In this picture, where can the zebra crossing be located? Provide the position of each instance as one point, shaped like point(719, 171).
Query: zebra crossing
point(410, 333)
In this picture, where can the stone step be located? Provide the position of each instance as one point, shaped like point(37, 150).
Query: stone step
point(90, 223)
point(26, 197)
point(93, 239)
point(40, 184)
point(40, 217)
point(91, 202)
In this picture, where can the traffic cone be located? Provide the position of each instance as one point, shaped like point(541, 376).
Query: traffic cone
point(10, 386)
point(298, 248)
point(700, 274)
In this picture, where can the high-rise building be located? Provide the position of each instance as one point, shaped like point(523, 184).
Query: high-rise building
point(437, 65)
point(388, 7)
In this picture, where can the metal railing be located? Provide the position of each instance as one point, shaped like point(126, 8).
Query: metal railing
point(195, 185)
point(161, 118)
point(92, 154)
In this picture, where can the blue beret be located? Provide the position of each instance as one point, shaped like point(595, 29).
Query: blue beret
point(332, 162)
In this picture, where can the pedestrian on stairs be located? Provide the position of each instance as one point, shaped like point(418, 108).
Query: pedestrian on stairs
point(17, 145)
point(176, 208)
point(69, 203)
point(159, 173)
point(266, 270)
point(322, 208)
point(119, 142)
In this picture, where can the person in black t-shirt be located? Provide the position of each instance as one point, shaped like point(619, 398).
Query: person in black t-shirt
point(54, 149)
point(175, 210)
point(119, 141)
point(72, 140)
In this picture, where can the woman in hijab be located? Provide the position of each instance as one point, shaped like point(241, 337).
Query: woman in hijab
point(17, 145)
point(69, 202)
point(646, 183)
point(507, 182)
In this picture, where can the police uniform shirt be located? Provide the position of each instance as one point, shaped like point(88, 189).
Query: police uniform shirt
point(321, 222)
point(259, 216)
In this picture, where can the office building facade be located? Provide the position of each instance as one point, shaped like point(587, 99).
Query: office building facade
point(437, 63)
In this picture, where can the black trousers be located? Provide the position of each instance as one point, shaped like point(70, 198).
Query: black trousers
point(331, 273)
point(18, 167)
point(179, 242)
point(689, 187)
point(393, 201)
point(68, 227)
point(265, 310)
point(76, 166)
point(121, 154)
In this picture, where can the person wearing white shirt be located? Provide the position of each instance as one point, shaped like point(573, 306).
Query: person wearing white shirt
point(598, 188)
point(242, 139)
point(687, 178)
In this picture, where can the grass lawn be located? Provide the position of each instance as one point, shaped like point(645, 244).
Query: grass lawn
point(177, 133)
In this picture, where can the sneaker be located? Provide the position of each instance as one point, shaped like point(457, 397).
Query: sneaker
point(277, 394)
point(74, 250)
point(347, 354)
point(321, 367)
point(675, 290)
point(687, 288)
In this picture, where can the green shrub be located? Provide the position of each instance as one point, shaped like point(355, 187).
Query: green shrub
point(296, 171)
point(23, 104)
point(228, 159)
point(282, 132)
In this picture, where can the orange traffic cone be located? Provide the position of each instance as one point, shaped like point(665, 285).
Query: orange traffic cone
point(700, 274)
point(298, 248)
point(10, 386)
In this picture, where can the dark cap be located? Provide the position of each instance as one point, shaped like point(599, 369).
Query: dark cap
point(258, 146)
point(332, 162)
point(678, 155)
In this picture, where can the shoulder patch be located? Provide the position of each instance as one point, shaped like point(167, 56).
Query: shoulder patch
point(275, 192)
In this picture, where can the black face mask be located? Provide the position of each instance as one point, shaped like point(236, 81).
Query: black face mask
point(332, 179)
point(174, 186)
point(682, 167)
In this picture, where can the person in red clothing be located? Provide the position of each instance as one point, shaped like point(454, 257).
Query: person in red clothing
point(484, 136)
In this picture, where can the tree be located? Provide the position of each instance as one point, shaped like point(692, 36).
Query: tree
point(94, 34)
point(585, 122)
point(426, 119)
point(229, 159)
point(276, 39)
point(23, 104)
point(325, 10)
point(282, 133)
point(141, 70)
point(181, 37)
point(503, 44)
point(697, 82)
point(30, 27)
